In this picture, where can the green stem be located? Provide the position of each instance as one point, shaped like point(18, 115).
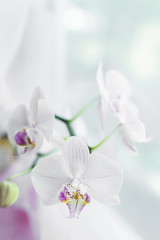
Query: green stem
point(39, 155)
point(105, 139)
point(47, 153)
point(84, 109)
point(35, 162)
point(61, 119)
point(70, 130)
point(20, 174)
point(67, 123)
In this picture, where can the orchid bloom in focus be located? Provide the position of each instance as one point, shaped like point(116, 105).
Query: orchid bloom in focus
point(76, 177)
point(27, 127)
point(115, 93)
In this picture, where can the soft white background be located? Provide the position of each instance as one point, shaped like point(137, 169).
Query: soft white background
point(58, 45)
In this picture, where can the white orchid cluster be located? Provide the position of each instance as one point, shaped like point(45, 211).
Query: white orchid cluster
point(72, 173)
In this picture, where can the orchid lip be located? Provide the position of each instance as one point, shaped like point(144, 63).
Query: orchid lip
point(22, 138)
point(75, 197)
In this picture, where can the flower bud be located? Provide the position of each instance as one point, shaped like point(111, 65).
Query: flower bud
point(8, 193)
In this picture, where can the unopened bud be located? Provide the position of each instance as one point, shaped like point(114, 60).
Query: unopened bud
point(8, 193)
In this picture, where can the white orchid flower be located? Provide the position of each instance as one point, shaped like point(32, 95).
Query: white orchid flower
point(28, 126)
point(76, 177)
point(115, 92)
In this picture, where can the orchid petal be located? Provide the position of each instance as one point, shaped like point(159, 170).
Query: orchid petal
point(104, 103)
point(138, 131)
point(114, 201)
point(75, 153)
point(35, 136)
point(45, 119)
point(117, 85)
point(75, 207)
point(75, 197)
point(104, 108)
point(48, 177)
point(37, 94)
point(103, 177)
point(133, 125)
point(36, 139)
point(128, 142)
point(17, 121)
point(130, 106)
point(102, 89)
point(100, 78)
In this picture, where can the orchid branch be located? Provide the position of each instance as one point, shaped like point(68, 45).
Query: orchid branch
point(67, 123)
point(20, 174)
point(28, 170)
point(91, 149)
point(84, 109)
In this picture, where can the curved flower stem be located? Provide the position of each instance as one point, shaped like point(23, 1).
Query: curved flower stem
point(67, 123)
point(91, 149)
point(20, 174)
point(84, 109)
point(70, 130)
point(39, 155)
point(61, 119)
point(47, 153)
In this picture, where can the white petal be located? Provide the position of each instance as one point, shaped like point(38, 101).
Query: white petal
point(75, 153)
point(133, 125)
point(57, 140)
point(36, 138)
point(37, 94)
point(45, 119)
point(117, 85)
point(132, 107)
point(103, 110)
point(128, 142)
point(48, 177)
point(104, 104)
point(100, 78)
point(17, 121)
point(114, 201)
point(138, 131)
point(103, 177)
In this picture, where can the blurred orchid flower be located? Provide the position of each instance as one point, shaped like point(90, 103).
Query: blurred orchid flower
point(20, 219)
point(76, 176)
point(115, 93)
point(27, 127)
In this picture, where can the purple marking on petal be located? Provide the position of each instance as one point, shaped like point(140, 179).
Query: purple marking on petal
point(116, 106)
point(62, 196)
point(80, 210)
point(74, 199)
point(69, 207)
point(20, 138)
point(34, 125)
point(88, 199)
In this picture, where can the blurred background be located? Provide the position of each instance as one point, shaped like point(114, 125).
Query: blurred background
point(57, 44)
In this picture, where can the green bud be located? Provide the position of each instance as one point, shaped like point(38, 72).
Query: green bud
point(9, 192)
